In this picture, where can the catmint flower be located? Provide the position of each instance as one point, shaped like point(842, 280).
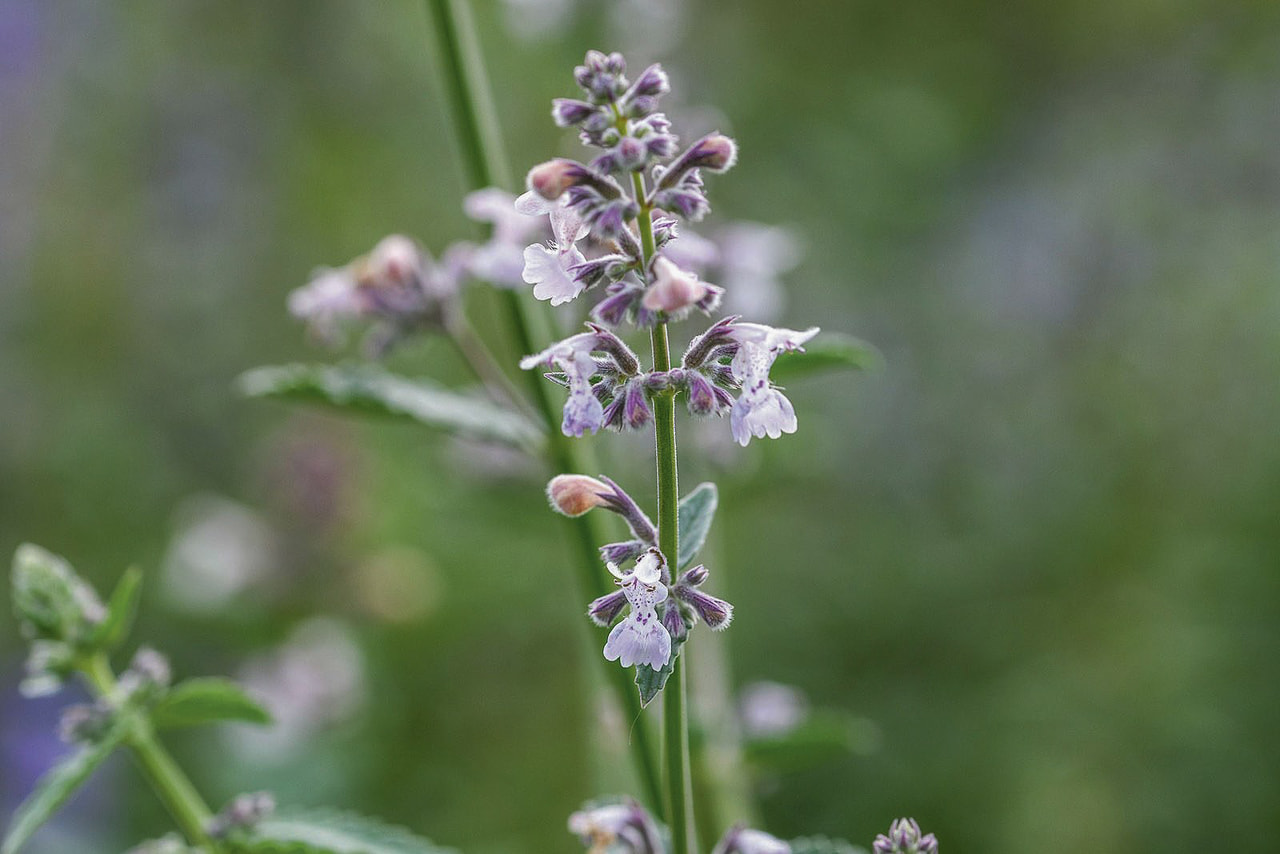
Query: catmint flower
point(675, 291)
point(147, 677)
point(567, 112)
point(583, 411)
point(752, 257)
point(771, 709)
point(641, 638)
point(552, 179)
point(761, 409)
point(623, 828)
point(744, 840)
point(550, 270)
point(623, 551)
point(715, 152)
point(642, 97)
point(242, 813)
point(904, 838)
point(397, 283)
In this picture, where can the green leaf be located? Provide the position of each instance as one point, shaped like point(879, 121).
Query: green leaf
point(650, 681)
point(60, 782)
point(321, 831)
point(120, 611)
point(372, 390)
point(824, 735)
point(207, 700)
point(823, 845)
point(696, 511)
point(829, 351)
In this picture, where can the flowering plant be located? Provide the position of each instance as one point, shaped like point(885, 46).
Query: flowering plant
point(614, 229)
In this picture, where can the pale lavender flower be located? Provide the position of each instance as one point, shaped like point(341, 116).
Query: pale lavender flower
point(744, 840)
point(904, 838)
point(551, 270)
point(675, 291)
point(641, 638)
point(583, 411)
point(761, 409)
point(771, 709)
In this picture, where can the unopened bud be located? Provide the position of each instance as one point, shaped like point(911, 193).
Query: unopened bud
point(50, 599)
point(904, 837)
point(575, 494)
point(551, 179)
point(716, 153)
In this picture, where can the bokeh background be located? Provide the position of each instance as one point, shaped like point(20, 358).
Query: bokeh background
point(1034, 557)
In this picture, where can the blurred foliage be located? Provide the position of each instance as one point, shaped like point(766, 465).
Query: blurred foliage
point(1038, 548)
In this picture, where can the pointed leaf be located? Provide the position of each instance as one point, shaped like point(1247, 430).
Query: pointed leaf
point(120, 611)
point(650, 681)
point(320, 831)
point(828, 352)
point(823, 845)
point(207, 700)
point(697, 509)
point(60, 782)
point(372, 390)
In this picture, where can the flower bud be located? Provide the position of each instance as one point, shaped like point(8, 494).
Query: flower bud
point(575, 494)
point(604, 610)
point(622, 552)
point(51, 601)
point(652, 82)
point(673, 289)
point(716, 613)
point(904, 838)
point(673, 621)
point(242, 813)
point(695, 576)
point(82, 722)
point(715, 152)
point(702, 395)
point(567, 112)
point(551, 179)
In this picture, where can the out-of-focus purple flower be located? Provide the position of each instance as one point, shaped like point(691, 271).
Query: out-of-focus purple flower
point(500, 261)
point(220, 550)
point(904, 838)
point(641, 638)
point(744, 840)
point(622, 828)
point(313, 680)
point(752, 257)
point(398, 284)
point(771, 709)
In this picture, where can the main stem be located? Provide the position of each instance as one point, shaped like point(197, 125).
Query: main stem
point(168, 780)
point(675, 716)
point(477, 128)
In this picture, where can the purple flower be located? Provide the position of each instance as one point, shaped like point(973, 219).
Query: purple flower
point(623, 828)
point(549, 270)
point(583, 411)
point(641, 638)
point(675, 291)
point(761, 409)
point(500, 261)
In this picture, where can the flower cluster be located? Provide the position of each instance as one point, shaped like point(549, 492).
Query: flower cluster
point(624, 827)
point(623, 206)
point(662, 606)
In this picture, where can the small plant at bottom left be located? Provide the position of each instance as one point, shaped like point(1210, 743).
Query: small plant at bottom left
point(73, 634)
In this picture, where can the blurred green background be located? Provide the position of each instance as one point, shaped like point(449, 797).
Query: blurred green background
point(1039, 549)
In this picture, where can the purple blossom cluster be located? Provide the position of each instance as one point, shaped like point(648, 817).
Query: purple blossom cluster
point(642, 176)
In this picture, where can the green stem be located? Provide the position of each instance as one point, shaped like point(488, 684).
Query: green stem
point(477, 129)
point(170, 783)
point(675, 717)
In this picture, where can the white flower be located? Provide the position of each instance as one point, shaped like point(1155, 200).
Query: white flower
point(582, 411)
point(754, 256)
point(500, 261)
point(744, 840)
point(762, 410)
point(641, 638)
point(326, 301)
point(547, 268)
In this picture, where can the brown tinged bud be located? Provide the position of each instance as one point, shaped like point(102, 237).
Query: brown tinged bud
point(716, 153)
point(551, 179)
point(575, 494)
